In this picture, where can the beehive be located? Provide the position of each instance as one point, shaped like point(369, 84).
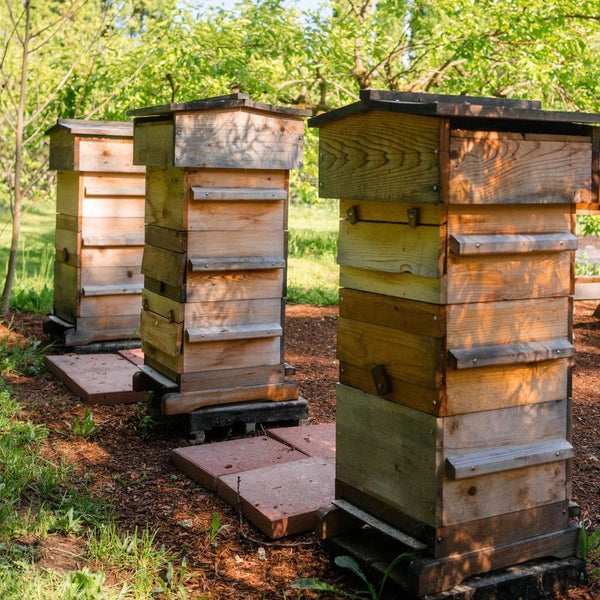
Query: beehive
point(99, 231)
point(454, 339)
point(214, 264)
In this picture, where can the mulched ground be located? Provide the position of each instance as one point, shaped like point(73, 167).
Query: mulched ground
point(128, 464)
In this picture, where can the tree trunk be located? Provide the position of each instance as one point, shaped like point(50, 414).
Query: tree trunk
point(18, 169)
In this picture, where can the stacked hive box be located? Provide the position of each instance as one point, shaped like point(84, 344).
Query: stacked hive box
point(215, 255)
point(454, 340)
point(99, 231)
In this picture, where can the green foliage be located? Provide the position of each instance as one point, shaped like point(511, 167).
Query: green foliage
point(84, 427)
point(590, 550)
point(347, 562)
point(585, 268)
point(215, 529)
point(588, 225)
point(23, 356)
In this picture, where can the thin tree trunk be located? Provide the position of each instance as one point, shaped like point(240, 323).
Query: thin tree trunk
point(18, 198)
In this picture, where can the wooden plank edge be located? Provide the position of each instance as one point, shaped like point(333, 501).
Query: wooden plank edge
point(251, 263)
point(148, 379)
point(174, 404)
point(240, 332)
point(81, 338)
point(113, 290)
point(249, 194)
point(466, 245)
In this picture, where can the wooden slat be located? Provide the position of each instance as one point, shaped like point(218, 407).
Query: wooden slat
point(112, 290)
point(380, 525)
point(463, 245)
point(244, 244)
point(165, 197)
point(244, 263)
point(239, 332)
point(174, 404)
point(491, 168)
point(490, 219)
point(504, 354)
point(108, 322)
point(249, 194)
point(393, 248)
point(66, 291)
point(129, 256)
point(163, 237)
point(488, 323)
point(236, 215)
point(230, 378)
point(380, 156)
point(105, 155)
point(153, 142)
point(112, 206)
point(491, 388)
point(114, 185)
point(115, 304)
point(236, 139)
point(107, 231)
point(164, 265)
point(494, 460)
point(68, 247)
point(161, 333)
point(69, 193)
point(116, 276)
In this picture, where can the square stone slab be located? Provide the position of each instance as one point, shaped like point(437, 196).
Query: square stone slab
point(96, 378)
point(135, 355)
point(282, 499)
point(312, 440)
point(206, 463)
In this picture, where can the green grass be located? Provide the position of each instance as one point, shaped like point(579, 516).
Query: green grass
point(312, 251)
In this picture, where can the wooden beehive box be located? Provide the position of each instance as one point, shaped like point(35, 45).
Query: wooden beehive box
point(456, 258)
point(99, 230)
point(214, 264)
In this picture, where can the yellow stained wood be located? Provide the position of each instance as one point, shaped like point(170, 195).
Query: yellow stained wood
point(104, 306)
point(499, 493)
point(69, 193)
point(508, 277)
point(236, 216)
point(406, 356)
point(393, 211)
point(114, 184)
point(111, 275)
point(238, 139)
point(485, 323)
point(396, 461)
point(68, 247)
point(214, 244)
point(234, 285)
point(105, 155)
point(153, 142)
point(236, 178)
point(511, 426)
point(161, 305)
point(488, 169)
point(392, 248)
point(165, 197)
point(511, 219)
point(115, 207)
point(68, 222)
point(380, 156)
point(400, 285)
point(161, 333)
point(491, 388)
point(126, 256)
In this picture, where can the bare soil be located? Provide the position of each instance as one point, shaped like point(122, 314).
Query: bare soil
point(128, 465)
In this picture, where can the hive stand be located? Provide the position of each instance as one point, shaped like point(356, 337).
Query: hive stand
point(214, 263)
point(456, 254)
point(99, 234)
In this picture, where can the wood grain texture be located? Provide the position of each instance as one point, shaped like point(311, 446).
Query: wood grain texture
point(113, 304)
point(464, 245)
point(234, 215)
point(213, 244)
point(66, 291)
point(393, 211)
point(128, 256)
point(392, 248)
point(397, 461)
point(105, 155)
point(164, 265)
point(195, 335)
point(68, 247)
point(112, 276)
point(114, 184)
point(238, 139)
point(153, 142)
point(231, 378)
point(161, 333)
point(109, 231)
point(69, 193)
point(489, 168)
point(380, 156)
point(232, 194)
point(113, 207)
point(165, 198)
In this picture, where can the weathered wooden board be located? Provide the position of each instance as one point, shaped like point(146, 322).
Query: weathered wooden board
point(499, 493)
point(409, 357)
point(112, 276)
point(489, 219)
point(507, 277)
point(124, 256)
point(483, 323)
point(397, 461)
point(399, 285)
point(107, 231)
point(465, 245)
point(234, 285)
point(67, 246)
point(116, 304)
point(126, 322)
point(494, 168)
point(164, 265)
point(66, 291)
point(393, 212)
point(238, 139)
point(161, 333)
point(380, 156)
point(231, 378)
point(491, 388)
point(105, 155)
point(113, 206)
point(234, 215)
point(114, 184)
point(397, 313)
point(69, 193)
point(153, 142)
point(393, 248)
point(214, 244)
